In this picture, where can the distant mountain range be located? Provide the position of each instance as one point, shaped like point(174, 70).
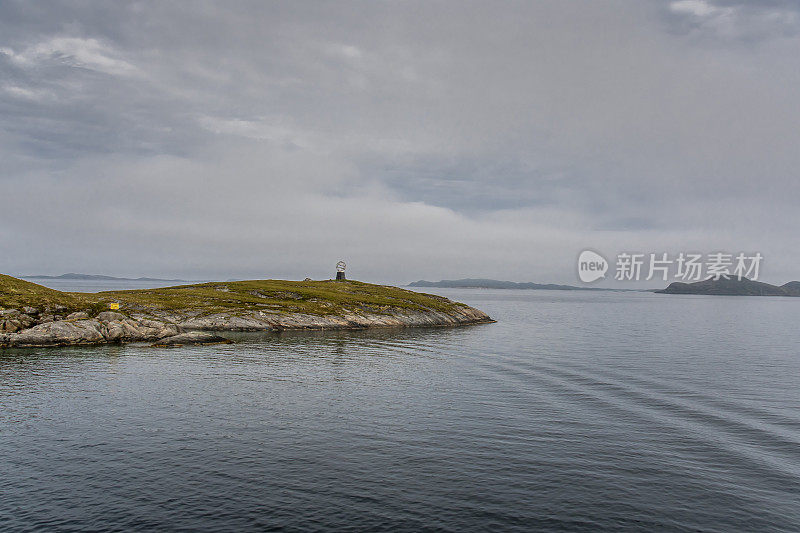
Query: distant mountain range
point(471, 283)
point(95, 277)
point(729, 286)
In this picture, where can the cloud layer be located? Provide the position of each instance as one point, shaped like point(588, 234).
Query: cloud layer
point(413, 139)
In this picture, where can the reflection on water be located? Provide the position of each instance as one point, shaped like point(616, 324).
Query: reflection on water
point(573, 412)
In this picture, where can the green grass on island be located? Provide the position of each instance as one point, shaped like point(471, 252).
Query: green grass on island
point(311, 297)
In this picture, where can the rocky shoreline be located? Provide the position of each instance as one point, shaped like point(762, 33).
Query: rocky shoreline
point(30, 327)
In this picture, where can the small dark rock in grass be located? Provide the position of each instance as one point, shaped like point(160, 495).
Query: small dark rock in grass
point(192, 338)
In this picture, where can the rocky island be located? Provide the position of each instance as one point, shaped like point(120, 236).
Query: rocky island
point(731, 286)
point(33, 315)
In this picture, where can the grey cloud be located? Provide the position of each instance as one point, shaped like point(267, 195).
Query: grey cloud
point(745, 21)
point(415, 139)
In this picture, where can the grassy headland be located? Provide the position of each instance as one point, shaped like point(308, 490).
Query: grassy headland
point(16, 294)
point(32, 315)
point(281, 296)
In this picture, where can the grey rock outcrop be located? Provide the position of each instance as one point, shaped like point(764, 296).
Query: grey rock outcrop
point(89, 331)
point(21, 330)
point(191, 338)
point(60, 333)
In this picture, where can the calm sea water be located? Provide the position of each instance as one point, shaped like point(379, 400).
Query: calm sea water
point(94, 285)
point(575, 412)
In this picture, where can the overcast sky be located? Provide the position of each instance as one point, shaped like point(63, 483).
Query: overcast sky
point(411, 139)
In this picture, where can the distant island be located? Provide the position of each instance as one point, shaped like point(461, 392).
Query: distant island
point(471, 283)
point(33, 315)
point(97, 277)
point(730, 286)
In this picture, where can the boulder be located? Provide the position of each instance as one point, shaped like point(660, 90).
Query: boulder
point(15, 322)
point(79, 315)
point(115, 332)
point(152, 329)
point(30, 310)
point(10, 326)
point(108, 316)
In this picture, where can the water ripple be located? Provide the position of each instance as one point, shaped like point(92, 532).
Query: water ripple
point(572, 413)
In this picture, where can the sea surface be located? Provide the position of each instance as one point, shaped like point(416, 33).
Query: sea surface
point(576, 411)
point(95, 285)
